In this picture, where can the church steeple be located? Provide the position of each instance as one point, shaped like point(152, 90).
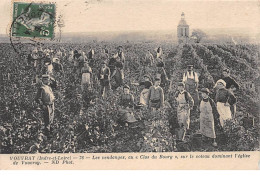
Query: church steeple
point(182, 16)
point(183, 30)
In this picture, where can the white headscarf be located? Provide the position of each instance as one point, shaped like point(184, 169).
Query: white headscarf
point(220, 81)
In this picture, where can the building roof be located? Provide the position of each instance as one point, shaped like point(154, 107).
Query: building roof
point(183, 23)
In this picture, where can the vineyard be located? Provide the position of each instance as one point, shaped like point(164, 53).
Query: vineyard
point(93, 129)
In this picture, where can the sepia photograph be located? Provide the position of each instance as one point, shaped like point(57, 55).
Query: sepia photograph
point(121, 76)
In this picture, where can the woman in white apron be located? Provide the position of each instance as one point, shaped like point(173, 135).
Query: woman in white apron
point(208, 112)
point(223, 97)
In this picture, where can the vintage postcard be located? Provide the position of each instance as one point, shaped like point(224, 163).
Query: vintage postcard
point(120, 84)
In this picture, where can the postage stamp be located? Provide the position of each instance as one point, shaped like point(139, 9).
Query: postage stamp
point(33, 20)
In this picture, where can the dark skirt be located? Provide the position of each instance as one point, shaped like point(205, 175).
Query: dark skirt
point(155, 104)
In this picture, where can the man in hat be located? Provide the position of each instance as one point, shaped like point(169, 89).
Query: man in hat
point(191, 81)
point(156, 95)
point(232, 86)
point(144, 94)
point(184, 104)
point(104, 77)
point(229, 80)
point(45, 98)
point(126, 106)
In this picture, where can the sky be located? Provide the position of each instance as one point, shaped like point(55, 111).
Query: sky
point(155, 15)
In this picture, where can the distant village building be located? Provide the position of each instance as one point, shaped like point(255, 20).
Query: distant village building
point(183, 30)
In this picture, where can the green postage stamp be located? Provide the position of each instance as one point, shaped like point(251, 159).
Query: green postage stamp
point(33, 20)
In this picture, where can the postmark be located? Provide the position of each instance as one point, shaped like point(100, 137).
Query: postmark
point(33, 23)
point(35, 20)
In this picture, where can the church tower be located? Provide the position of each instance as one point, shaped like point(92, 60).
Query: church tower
point(183, 30)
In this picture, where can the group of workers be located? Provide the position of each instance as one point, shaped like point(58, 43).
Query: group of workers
point(110, 74)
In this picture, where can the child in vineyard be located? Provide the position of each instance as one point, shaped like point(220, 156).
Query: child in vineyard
point(224, 100)
point(184, 105)
point(156, 95)
point(104, 77)
point(208, 112)
point(126, 106)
